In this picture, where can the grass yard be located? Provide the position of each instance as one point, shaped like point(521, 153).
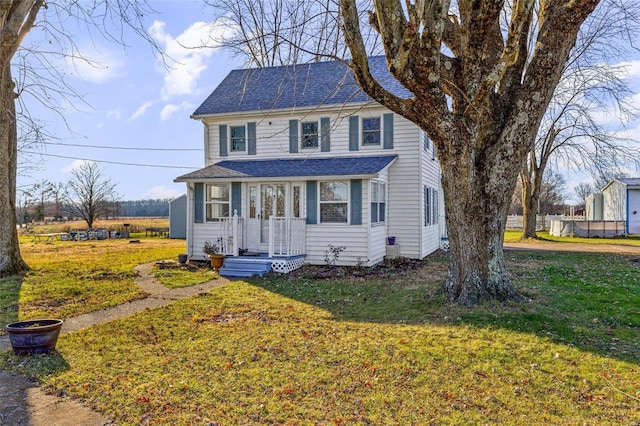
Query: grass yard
point(183, 277)
point(514, 236)
point(380, 350)
point(69, 278)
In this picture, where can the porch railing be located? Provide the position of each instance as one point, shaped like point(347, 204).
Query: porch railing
point(231, 239)
point(287, 236)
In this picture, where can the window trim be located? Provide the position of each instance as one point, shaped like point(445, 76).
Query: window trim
point(427, 205)
point(381, 189)
point(317, 134)
point(231, 138)
point(347, 202)
point(380, 132)
point(207, 202)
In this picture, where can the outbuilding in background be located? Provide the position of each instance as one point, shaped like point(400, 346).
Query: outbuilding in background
point(178, 217)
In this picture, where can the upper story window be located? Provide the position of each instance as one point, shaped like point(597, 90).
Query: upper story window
point(378, 202)
point(217, 201)
point(309, 133)
point(371, 131)
point(238, 138)
point(334, 202)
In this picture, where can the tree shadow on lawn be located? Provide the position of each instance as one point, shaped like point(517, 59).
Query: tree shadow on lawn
point(9, 296)
point(587, 300)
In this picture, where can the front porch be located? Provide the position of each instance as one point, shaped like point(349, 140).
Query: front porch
point(284, 239)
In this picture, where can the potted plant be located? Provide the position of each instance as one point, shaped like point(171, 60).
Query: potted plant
point(213, 250)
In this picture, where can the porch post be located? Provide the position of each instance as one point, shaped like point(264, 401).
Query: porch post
point(236, 240)
point(271, 237)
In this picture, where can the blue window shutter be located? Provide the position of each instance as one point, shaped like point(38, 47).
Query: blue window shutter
point(388, 130)
point(356, 201)
point(312, 202)
point(293, 136)
point(236, 198)
point(223, 140)
point(354, 134)
point(325, 134)
point(198, 204)
point(251, 140)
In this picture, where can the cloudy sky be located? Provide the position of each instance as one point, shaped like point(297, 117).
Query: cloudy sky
point(130, 98)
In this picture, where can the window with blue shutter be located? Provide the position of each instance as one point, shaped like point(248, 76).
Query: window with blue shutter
point(354, 134)
point(356, 201)
point(388, 130)
point(223, 140)
point(293, 136)
point(325, 134)
point(236, 198)
point(198, 203)
point(251, 138)
point(312, 202)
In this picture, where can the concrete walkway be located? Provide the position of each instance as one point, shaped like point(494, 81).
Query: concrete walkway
point(22, 402)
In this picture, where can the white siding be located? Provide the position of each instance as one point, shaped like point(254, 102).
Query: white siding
point(615, 201)
point(272, 135)
point(430, 176)
point(404, 189)
point(353, 237)
point(405, 178)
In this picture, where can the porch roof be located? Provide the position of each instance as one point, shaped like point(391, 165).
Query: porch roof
point(290, 168)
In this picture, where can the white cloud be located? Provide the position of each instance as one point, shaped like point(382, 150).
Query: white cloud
point(160, 192)
point(188, 53)
point(140, 111)
point(100, 66)
point(170, 109)
point(74, 166)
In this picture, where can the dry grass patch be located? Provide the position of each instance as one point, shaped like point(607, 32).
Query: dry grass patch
point(69, 278)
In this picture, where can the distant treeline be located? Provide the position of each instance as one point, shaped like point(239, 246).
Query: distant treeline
point(148, 208)
point(49, 210)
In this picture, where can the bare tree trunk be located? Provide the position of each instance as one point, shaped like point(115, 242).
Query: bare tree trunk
point(11, 262)
point(476, 211)
point(530, 197)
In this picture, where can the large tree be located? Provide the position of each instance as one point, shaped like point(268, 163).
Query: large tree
point(17, 18)
point(482, 74)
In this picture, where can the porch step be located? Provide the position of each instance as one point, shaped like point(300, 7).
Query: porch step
point(245, 266)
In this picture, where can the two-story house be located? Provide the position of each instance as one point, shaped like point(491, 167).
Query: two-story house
point(299, 159)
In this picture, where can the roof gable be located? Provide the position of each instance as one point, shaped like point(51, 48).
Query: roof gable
point(295, 86)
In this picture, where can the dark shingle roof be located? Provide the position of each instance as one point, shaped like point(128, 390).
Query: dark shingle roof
point(317, 83)
point(302, 167)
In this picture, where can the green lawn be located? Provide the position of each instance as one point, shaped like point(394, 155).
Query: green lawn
point(514, 236)
point(381, 349)
point(69, 278)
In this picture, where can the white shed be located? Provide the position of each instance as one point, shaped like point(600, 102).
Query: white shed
point(621, 201)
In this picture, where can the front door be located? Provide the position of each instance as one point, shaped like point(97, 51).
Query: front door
point(272, 203)
point(266, 200)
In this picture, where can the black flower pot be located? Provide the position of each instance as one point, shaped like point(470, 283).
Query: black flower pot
point(34, 336)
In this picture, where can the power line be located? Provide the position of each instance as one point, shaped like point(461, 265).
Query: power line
point(130, 148)
point(110, 162)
